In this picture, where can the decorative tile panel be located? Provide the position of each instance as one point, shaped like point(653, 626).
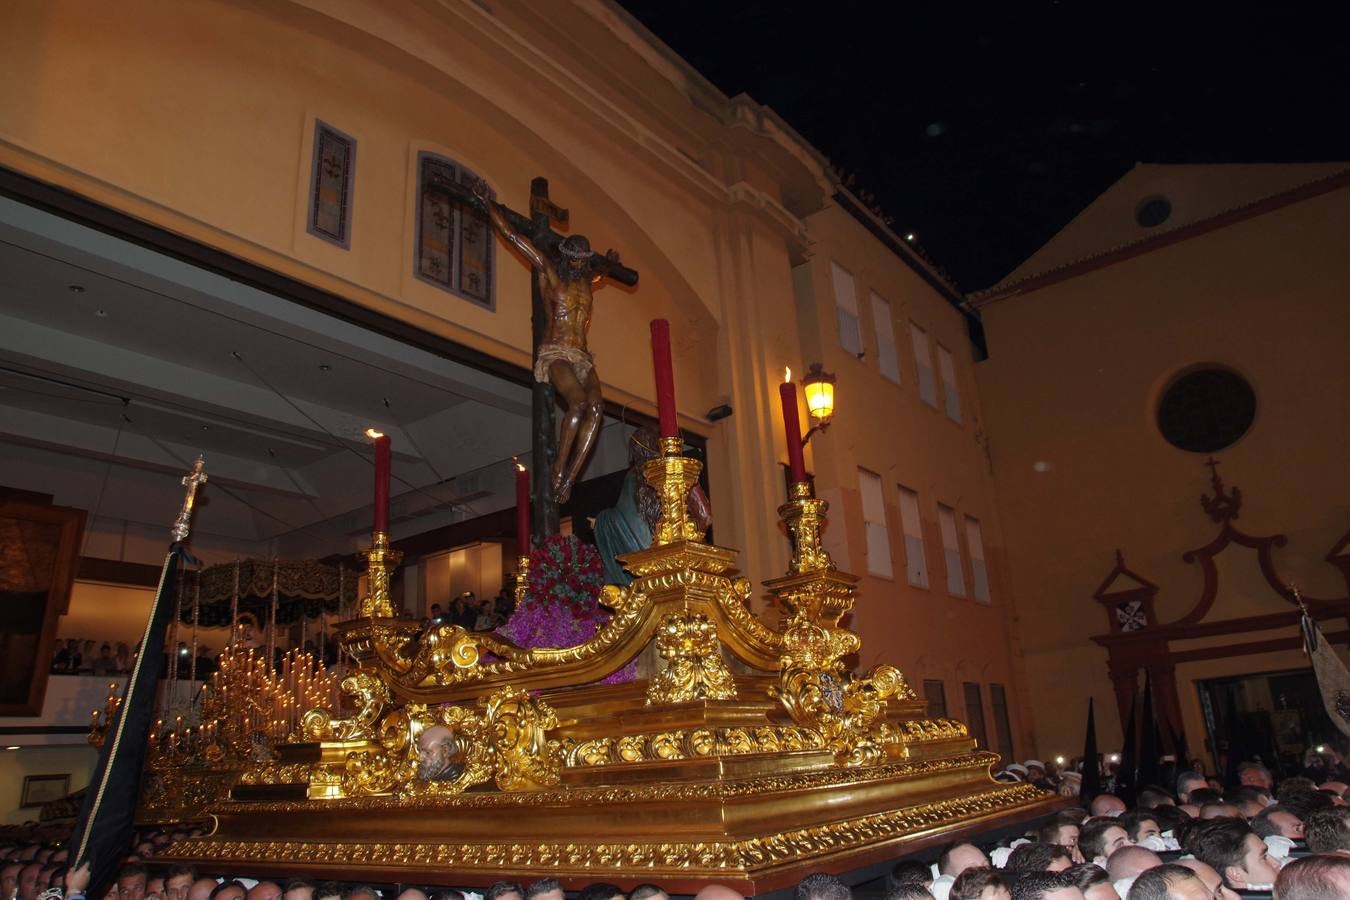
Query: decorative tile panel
point(330, 185)
point(454, 249)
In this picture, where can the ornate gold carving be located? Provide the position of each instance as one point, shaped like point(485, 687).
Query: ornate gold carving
point(683, 856)
point(849, 713)
point(371, 695)
point(522, 576)
point(518, 723)
point(380, 561)
point(805, 520)
point(673, 475)
point(694, 670)
point(687, 744)
point(505, 740)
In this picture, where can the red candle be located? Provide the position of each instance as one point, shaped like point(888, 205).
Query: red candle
point(787, 393)
point(522, 510)
point(381, 480)
point(665, 378)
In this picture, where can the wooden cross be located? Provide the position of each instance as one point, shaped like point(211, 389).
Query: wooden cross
point(538, 227)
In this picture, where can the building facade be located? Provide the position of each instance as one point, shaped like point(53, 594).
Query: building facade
point(1187, 326)
point(263, 168)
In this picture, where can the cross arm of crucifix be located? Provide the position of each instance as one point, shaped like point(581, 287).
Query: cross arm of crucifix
point(531, 235)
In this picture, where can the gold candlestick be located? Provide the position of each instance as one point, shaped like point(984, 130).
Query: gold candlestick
point(522, 574)
point(380, 562)
point(673, 475)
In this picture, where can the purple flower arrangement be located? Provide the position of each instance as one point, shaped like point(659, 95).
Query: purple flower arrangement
point(560, 607)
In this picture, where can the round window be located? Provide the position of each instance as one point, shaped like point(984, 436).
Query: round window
point(1153, 212)
point(1206, 410)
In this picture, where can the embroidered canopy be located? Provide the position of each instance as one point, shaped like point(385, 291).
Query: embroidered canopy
point(300, 586)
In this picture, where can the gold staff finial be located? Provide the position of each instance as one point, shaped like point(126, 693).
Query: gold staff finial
point(192, 480)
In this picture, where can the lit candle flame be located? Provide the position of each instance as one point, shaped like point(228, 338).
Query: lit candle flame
point(374, 433)
point(520, 466)
point(787, 374)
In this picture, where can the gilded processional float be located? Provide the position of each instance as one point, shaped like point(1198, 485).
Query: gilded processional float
point(748, 755)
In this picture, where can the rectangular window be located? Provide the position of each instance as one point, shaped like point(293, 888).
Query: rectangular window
point(332, 172)
point(975, 712)
point(950, 396)
point(998, 708)
point(454, 241)
point(923, 363)
point(935, 692)
point(887, 358)
point(846, 309)
point(916, 561)
point(979, 572)
point(951, 551)
point(874, 520)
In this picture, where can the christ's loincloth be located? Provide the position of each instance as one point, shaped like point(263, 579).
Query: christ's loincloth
point(578, 359)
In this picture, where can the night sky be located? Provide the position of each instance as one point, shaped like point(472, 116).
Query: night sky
point(984, 130)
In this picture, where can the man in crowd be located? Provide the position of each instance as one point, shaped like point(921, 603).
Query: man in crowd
point(1210, 878)
point(1063, 830)
point(510, 890)
point(1328, 830)
point(960, 856)
point(1168, 882)
point(263, 890)
point(1278, 820)
point(980, 884)
point(229, 890)
point(178, 881)
point(1129, 861)
point(298, 889)
point(645, 892)
point(131, 882)
point(1219, 811)
point(1187, 782)
point(9, 879)
point(1046, 886)
point(822, 886)
point(1250, 800)
point(1038, 857)
point(1314, 878)
point(28, 881)
point(1253, 774)
point(1107, 805)
point(545, 889)
point(1142, 828)
point(1237, 854)
point(1093, 882)
point(1099, 838)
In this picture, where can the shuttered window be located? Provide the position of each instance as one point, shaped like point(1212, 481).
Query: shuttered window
point(874, 518)
point(846, 309)
point(951, 551)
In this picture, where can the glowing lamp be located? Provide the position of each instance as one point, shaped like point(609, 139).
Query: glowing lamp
point(819, 386)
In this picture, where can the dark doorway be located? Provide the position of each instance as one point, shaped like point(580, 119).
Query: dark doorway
point(1276, 716)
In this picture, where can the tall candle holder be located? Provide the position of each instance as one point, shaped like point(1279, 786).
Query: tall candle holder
point(673, 475)
point(522, 576)
point(380, 562)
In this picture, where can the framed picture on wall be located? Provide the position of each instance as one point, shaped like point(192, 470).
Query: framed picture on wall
point(39, 790)
point(40, 545)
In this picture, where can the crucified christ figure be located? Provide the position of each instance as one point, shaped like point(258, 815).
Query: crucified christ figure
point(562, 358)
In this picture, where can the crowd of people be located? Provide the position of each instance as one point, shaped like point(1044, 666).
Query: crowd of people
point(77, 656)
point(1188, 841)
point(474, 613)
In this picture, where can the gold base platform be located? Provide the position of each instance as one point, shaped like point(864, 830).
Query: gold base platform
point(468, 759)
point(710, 790)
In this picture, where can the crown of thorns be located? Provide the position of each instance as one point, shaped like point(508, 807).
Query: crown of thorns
point(575, 248)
